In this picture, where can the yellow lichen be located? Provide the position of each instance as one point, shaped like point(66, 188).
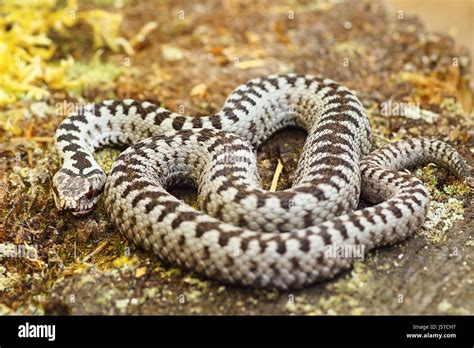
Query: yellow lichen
point(10, 121)
point(456, 189)
point(441, 217)
point(26, 66)
point(106, 158)
point(196, 282)
point(124, 261)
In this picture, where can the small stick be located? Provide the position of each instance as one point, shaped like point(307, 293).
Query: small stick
point(96, 251)
point(276, 176)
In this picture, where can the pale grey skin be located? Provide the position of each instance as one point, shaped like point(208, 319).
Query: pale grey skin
point(257, 238)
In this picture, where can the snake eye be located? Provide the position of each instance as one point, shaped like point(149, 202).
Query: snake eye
point(90, 193)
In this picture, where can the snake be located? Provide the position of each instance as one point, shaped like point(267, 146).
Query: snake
point(242, 234)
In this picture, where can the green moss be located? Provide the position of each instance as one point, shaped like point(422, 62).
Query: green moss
point(7, 279)
point(171, 272)
point(188, 279)
point(106, 158)
point(456, 189)
point(124, 260)
point(452, 106)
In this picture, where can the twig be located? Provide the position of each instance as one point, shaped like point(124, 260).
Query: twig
point(96, 251)
point(276, 176)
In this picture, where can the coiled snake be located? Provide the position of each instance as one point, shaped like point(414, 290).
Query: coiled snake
point(249, 236)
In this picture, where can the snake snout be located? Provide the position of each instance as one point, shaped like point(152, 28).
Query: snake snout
point(76, 193)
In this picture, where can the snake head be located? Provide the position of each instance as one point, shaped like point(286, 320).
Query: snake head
point(76, 193)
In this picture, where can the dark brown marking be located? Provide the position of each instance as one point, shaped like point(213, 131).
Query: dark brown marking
point(178, 122)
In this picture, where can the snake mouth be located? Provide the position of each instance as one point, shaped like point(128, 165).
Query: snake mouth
point(78, 210)
point(84, 207)
point(82, 212)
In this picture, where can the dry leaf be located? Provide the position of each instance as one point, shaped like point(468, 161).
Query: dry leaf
point(140, 272)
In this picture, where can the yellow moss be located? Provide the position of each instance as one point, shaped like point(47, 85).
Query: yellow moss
point(172, 272)
point(429, 178)
point(331, 304)
point(95, 73)
point(305, 308)
point(456, 189)
point(358, 279)
point(452, 106)
point(26, 49)
point(196, 282)
point(106, 158)
point(125, 261)
point(7, 279)
point(192, 295)
point(300, 304)
point(10, 120)
point(150, 292)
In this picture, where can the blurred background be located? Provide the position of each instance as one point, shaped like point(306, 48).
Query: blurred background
point(453, 17)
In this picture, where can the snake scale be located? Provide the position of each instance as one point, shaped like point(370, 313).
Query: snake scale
point(244, 234)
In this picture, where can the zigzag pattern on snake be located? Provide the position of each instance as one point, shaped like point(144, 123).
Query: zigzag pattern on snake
point(244, 234)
